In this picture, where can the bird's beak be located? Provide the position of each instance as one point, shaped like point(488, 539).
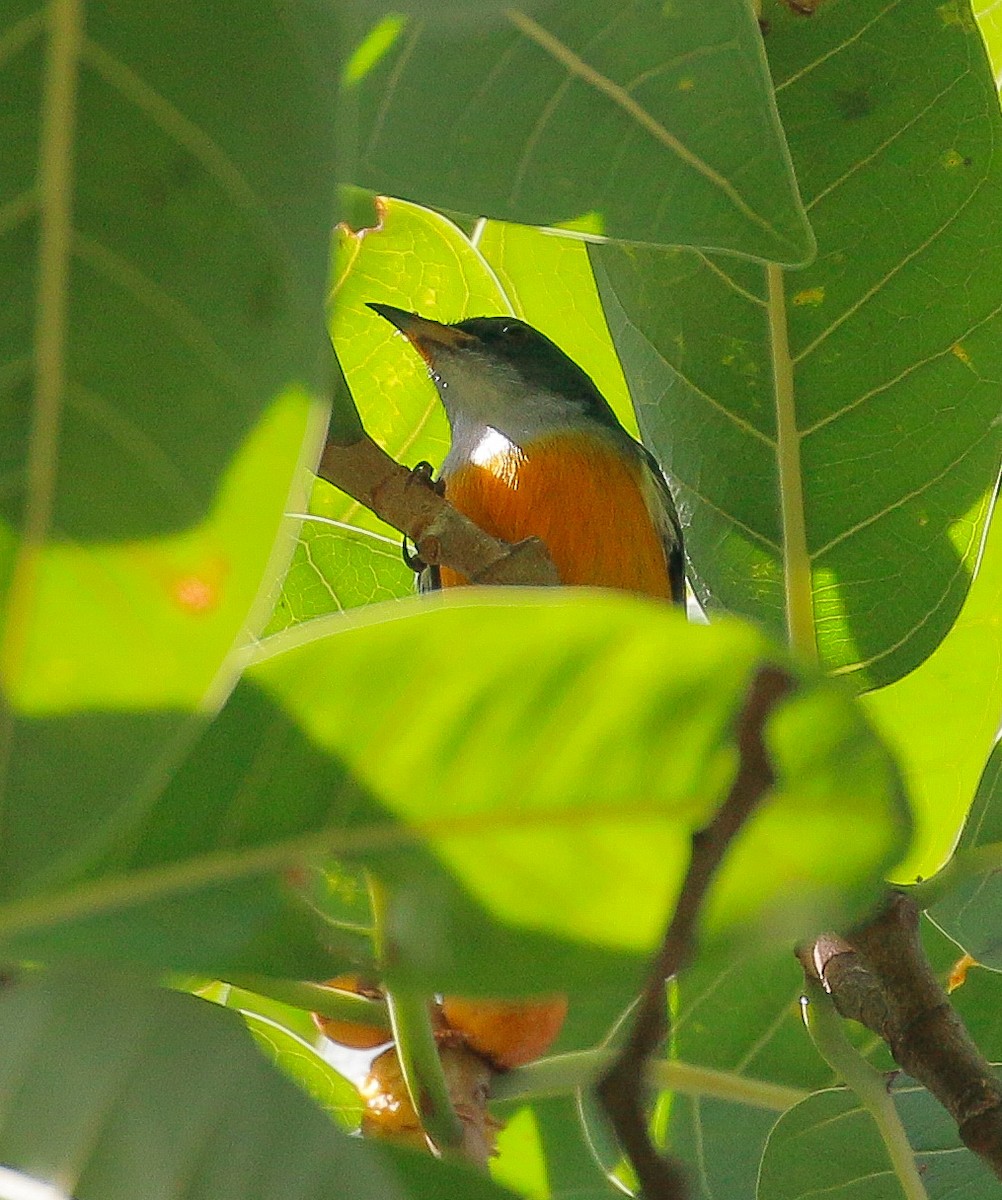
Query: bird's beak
point(428, 337)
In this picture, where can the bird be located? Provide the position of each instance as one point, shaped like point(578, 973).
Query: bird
point(536, 451)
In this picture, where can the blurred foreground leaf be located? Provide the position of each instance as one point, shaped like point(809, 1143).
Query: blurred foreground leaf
point(113, 1091)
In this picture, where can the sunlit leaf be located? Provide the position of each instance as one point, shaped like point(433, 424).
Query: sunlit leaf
point(542, 789)
point(971, 911)
point(942, 719)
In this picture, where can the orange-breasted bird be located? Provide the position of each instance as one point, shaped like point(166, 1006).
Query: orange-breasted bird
point(537, 451)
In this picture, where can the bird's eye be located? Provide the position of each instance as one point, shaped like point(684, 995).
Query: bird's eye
point(514, 332)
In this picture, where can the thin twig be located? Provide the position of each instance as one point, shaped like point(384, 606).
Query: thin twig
point(621, 1088)
point(417, 1050)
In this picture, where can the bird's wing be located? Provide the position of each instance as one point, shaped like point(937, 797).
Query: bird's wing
point(662, 507)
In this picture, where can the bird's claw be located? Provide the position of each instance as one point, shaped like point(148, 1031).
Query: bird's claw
point(424, 473)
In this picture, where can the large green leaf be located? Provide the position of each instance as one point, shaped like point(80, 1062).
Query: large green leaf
point(113, 1092)
point(163, 246)
point(472, 752)
point(829, 1144)
point(500, 742)
point(831, 430)
point(644, 121)
point(942, 719)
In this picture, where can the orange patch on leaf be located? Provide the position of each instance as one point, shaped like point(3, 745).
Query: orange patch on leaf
point(195, 594)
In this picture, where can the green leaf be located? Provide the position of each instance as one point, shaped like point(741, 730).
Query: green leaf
point(190, 881)
point(990, 23)
point(739, 1014)
point(837, 487)
point(828, 1142)
point(970, 912)
point(296, 1058)
point(512, 764)
point(942, 719)
point(738, 1031)
point(545, 1153)
point(337, 566)
point(116, 1091)
point(652, 123)
point(164, 251)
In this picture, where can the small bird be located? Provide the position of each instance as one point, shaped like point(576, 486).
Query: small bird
point(536, 451)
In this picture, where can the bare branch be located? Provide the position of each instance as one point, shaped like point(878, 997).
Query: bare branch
point(621, 1090)
point(441, 534)
point(881, 978)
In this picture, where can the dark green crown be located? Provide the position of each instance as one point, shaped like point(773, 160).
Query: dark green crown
point(540, 363)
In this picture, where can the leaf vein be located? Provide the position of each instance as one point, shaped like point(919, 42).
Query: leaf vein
point(622, 99)
point(913, 494)
point(811, 66)
point(187, 326)
point(881, 283)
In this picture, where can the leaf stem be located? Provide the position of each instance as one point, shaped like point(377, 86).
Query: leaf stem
point(566, 1073)
point(796, 560)
point(410, 1019)
point(867, 1083)
point(314, 997)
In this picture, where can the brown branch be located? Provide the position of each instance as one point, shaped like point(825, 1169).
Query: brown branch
point(621, 1089)
point(441, 535)
point(882, 979)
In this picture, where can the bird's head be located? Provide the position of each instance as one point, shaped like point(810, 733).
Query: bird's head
point(501, 372)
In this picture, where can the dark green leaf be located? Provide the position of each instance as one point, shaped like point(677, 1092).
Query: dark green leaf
point(117, 1092)
point(737, 1014)
point(644, 121)
point(841, 490)
point(163, 251)
point(190, 881)
point(829, 1144)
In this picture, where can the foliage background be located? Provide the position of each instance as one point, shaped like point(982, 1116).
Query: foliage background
point(167, 182)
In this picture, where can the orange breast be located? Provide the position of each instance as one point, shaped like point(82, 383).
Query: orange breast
point(581, 498)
